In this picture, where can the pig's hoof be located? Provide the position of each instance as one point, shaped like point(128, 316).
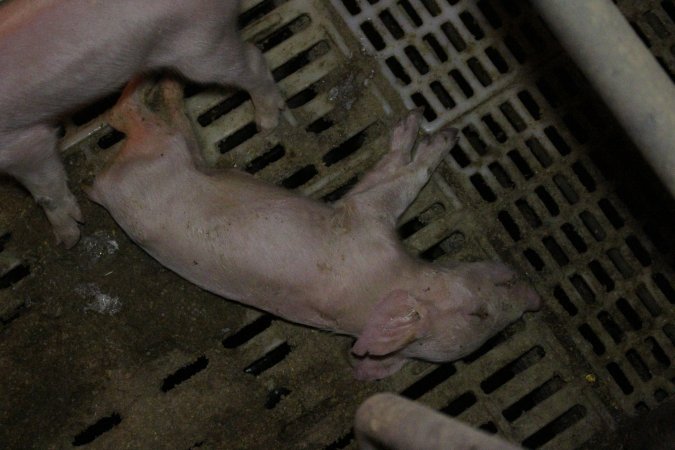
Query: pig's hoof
point(267, 123)
point(64, 218)
point(267, 115)
point(404, 134)
point(68, 235)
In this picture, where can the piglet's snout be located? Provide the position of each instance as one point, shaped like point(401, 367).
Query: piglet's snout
point(498, 273)
point(522, 294)
point(529, 297)
point(518, 289)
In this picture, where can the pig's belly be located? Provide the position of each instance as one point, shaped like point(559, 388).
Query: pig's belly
point(279, 257)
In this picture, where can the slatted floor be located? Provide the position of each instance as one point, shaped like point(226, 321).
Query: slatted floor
point(155, 362)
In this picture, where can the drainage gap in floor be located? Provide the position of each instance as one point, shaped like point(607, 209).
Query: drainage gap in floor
point(555, 427)
point(429, 381)
point(248, 331)
point(275, 396)
point(13, 275)
point(184, 373)
point(269, 360)
point(459, 404)
point(92, 432)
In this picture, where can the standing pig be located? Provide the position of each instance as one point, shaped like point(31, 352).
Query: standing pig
point(336, 267)
point(58, 55)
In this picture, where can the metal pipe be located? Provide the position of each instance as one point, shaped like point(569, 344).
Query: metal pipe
point(623, 71)
point(396, 423)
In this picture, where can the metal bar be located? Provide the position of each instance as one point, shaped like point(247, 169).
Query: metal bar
point(623, 72)
point(395, 423)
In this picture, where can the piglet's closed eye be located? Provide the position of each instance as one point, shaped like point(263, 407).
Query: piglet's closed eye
point(395, 321)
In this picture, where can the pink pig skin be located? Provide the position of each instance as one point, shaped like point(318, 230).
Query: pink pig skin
point(58, 55)
point(336, 267)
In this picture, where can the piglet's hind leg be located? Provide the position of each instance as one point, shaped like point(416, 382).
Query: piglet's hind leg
point(401, 143)
point(389, 188)
point(173, 105)
point(129, 112)
point(132, 116)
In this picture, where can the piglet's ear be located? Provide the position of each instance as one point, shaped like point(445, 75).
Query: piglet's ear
point(395, 321)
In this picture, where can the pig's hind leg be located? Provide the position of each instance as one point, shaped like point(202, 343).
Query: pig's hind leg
point(173, 105)
point(401, 143)
point(241, 65)
point(387, 190)
point(129, 112)
point(32, 158)
point(132, 116)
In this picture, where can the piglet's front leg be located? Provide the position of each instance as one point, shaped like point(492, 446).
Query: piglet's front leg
point(389, 188)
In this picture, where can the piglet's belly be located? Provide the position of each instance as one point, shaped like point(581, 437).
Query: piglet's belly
point(275, 283)
point(276, 256)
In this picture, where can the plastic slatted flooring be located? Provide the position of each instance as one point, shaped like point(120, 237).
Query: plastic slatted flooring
point(520, 185)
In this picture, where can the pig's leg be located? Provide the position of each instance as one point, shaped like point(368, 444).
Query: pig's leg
point(172, 97)
point(132, 116)
point(241, 65)
point(401, 143)
point(172, 94)
point(389, 188)
point(129, 112)
point(32, 158)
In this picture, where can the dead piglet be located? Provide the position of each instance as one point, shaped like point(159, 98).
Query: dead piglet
point(438, 313)
point(59, 55)
point(336, 267)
